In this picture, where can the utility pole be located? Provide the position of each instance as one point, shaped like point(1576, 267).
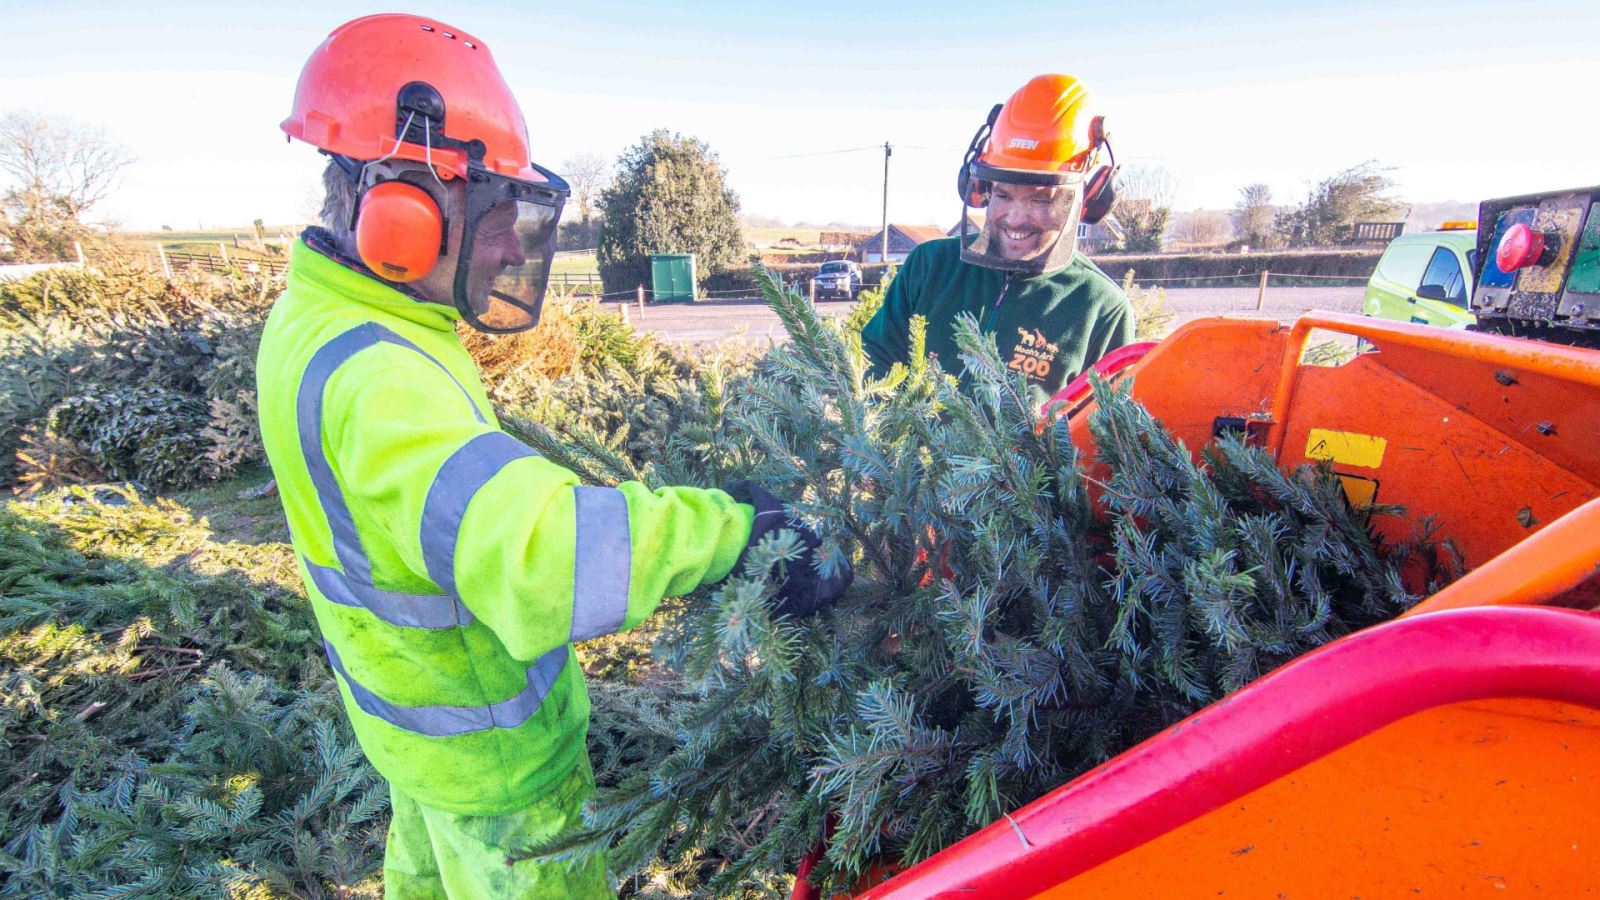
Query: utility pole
point(887, 151)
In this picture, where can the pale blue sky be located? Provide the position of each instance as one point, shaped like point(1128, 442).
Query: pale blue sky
point(1466, 100)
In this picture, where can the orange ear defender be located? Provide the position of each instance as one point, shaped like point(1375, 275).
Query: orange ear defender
point(1100, 194)
point(399, 231)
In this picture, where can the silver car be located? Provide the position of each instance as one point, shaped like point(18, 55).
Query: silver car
point(838, 278)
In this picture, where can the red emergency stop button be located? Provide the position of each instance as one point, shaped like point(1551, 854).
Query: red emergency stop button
point(1520, 247)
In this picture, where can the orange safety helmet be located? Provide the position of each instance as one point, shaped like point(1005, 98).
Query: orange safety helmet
point(345, 101)
point(1045, 135)
point(388, 94)
point(1044, 127)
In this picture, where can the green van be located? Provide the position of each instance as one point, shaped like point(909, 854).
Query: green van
point(1426, 278)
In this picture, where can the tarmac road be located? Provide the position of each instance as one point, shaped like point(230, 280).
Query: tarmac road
point(716, 321)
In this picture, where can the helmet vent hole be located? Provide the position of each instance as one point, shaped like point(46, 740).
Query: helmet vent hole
point(427, 27)
point(448, 35)
point(470, 45)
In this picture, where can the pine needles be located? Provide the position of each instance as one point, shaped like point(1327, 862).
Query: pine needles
point(127, 375)
point(1004, 634)
point(167, 733)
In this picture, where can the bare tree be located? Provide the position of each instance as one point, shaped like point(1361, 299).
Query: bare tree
point(1142, 182)
point(587, 173)
point(1253, 215)
point(1200, 228)
point(58, 157)
point(1144, 206)
point(59, 170)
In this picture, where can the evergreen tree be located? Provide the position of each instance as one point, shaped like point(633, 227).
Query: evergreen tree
point(1014, 620)
point(669, 195)
point(1144, 225)
point(1006, 630)
point(1357, 194)
point(1144, 207)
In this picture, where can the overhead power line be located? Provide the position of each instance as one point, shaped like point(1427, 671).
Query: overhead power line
point(803, 155)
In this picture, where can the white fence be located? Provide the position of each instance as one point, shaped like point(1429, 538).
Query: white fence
point(23, 270)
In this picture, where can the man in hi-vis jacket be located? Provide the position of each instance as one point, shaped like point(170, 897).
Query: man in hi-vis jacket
point(449, 566)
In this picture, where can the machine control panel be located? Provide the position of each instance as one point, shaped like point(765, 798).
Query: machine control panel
point(1539, 266)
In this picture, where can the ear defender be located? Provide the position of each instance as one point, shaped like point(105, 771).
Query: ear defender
point(1100, 193)
point(974, 191)
point(399, 231)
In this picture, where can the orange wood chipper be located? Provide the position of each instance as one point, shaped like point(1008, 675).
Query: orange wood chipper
point(1454, 751)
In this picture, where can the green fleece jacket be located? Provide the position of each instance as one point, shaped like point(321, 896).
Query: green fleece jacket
point(1049, 327)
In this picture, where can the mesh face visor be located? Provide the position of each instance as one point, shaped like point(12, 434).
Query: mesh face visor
point(507, 244)
point(1030, 219)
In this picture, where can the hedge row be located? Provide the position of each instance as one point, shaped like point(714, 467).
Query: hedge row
point(1348, 263)
point(784, 257)
point(1151, 267)
point(792, 273)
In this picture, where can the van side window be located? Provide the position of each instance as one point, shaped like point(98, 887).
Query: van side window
point(1403, 263)
point(1444, 270)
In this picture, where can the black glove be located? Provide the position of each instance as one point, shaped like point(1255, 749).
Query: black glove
point(804, 592)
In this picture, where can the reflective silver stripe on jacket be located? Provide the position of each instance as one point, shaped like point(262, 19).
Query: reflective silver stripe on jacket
point(603, 558)
point(449, 721)
point(457, 482)
point(406, 610)
point(603, 564)
point(353, 585)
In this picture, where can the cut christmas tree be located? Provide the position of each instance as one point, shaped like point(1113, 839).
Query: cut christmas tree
point(1011, 624)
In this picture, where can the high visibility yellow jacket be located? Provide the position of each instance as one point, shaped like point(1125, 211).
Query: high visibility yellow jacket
point(449, 566)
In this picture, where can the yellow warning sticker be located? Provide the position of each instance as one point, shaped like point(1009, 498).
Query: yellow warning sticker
point(1348, 448)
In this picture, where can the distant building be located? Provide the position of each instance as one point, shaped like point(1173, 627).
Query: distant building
point(841, 240)
point(1370, 232)
point(977, 225)
point(902, 240)
point(1102, 236)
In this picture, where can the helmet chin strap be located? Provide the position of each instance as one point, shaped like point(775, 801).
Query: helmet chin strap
point(427, 155)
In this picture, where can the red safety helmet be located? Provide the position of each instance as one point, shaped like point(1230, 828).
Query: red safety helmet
point(1044, 139)
point(386, 90)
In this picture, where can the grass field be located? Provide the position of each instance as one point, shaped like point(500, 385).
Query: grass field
point(210, 235)
point(768, 237)
point(204, 242)
point(575, 265)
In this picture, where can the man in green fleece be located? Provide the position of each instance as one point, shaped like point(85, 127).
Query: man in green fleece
point(450, 568)
point(1053, 312)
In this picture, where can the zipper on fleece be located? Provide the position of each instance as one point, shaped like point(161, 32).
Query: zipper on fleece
point(994, 310)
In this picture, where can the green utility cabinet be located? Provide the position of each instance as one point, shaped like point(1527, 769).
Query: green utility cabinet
point(672, 276)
